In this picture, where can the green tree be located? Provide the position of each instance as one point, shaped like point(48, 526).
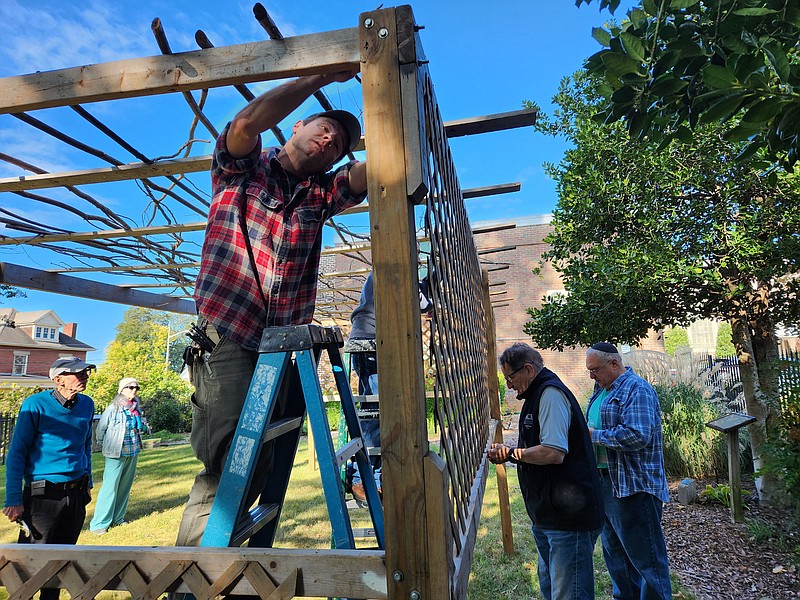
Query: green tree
point(673, 63)
point(725, 345)
point(147, 326)
point(6, 291)
point(675, 338)
point(139, 351)
point(648, 239)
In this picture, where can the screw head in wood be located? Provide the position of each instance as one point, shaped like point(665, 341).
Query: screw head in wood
point(368, 23)
point(383, 32)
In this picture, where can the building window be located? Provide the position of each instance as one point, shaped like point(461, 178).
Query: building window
point(20, 363)
point(45, 333)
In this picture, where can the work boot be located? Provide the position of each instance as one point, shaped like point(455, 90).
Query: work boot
point(358, 492)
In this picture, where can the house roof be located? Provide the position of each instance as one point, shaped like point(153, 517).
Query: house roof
point(16, 337)
point(37, 317)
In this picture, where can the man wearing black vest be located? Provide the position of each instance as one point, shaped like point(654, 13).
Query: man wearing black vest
point(557, 475)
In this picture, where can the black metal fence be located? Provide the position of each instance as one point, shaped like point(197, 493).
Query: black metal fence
point(724, 374)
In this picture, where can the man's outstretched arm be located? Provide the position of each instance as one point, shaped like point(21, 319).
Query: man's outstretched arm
point(271, 107)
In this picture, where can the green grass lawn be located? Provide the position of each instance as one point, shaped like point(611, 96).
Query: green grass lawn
point(165, 475)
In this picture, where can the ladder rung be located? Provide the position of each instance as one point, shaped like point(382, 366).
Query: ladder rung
point(278, 428)
point(363, 532)
point(374, 451)
point(368, 414)
point(252, 521)
point(370, 398)
point(348, 451)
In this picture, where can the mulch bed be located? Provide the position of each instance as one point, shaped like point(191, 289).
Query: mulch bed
point(717, 559)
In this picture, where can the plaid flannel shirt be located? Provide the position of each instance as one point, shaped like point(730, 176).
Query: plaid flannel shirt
point(631, 433)
point(284, 220)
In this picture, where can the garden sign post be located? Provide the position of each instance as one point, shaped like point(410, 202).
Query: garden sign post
point(731, 424)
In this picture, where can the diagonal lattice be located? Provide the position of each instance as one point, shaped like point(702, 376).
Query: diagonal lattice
point(458, 328)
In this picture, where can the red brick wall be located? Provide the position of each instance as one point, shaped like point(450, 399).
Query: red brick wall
point(39, 360)
point(523, 290)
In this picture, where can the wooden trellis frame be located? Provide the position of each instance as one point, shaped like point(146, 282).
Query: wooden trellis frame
point(432, 501)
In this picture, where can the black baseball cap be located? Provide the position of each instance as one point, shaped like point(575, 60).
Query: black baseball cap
point(347, 120)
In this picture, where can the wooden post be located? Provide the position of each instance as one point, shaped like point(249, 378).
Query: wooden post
point(497, 418)
point(404, 442)
point(735, 476)
point(730, 424)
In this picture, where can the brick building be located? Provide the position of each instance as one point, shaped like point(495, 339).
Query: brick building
point(515, 289)
point(30, 342)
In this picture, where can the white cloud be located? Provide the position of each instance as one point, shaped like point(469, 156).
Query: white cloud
point(37, 39)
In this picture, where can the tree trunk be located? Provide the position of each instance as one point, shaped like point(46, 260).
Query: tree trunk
point(758, 352)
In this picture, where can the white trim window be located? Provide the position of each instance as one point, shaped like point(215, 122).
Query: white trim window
point(20, 363)
point(45, 333)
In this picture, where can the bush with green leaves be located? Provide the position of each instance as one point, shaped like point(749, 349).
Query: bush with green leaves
point(721, 494)
point(165, 412)
point(690, 448)
point(782, 450)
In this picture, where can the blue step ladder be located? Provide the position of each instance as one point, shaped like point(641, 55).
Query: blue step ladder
point(230, 522)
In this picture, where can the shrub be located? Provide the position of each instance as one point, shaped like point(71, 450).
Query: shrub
point(164, 412)
point(690, 448)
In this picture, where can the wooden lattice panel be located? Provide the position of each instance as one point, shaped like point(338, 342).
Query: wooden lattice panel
point(147, 573)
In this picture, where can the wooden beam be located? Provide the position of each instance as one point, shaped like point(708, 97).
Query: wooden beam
point(105, 234)
point(493, 228)
point(34, 279)
point(498, 122)
point(498, 249)
point(196, 164)
point(327, 52)
point(136, 170)
point(128, 268)
point(404, 438)
point(491, 190)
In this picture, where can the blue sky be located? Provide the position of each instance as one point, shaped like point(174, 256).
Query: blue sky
point(485, 58)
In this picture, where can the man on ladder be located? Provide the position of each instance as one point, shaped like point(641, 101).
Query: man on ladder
point(259, 264)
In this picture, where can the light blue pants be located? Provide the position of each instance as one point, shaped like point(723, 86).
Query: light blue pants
point(112, 501)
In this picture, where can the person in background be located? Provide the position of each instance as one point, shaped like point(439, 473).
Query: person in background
point(49, 460)
point(625, 424)
point(557, 475)
point(120, 434)
point(364, 361)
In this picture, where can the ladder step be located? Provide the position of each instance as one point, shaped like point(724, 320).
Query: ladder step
point(348, 451)
point(252, 521)
point(369, 398)
point(363, 532)
point(278, 428)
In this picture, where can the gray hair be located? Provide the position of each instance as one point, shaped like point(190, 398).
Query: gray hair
point(606, 356)
point(520, 354)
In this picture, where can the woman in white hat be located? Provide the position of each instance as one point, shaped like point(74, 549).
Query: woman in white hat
point(119, 431)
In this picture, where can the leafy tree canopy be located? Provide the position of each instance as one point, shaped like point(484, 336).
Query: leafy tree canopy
point(139, 350)
point(725, 345)
point(673, 65)
point(646, 239)
point(674, 339)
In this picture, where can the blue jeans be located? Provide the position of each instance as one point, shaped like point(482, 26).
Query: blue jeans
point(633, 546)
point(366, 367)
point(566, 569)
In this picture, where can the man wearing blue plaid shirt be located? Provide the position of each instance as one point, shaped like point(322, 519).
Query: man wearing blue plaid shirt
point(624, 420)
